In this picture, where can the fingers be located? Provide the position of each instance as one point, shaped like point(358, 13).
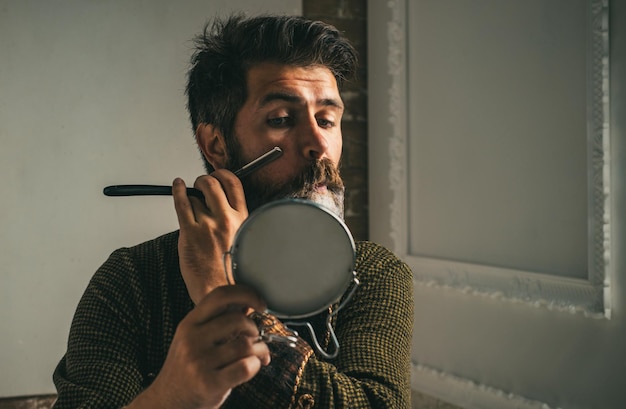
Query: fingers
point(225, 298)
point(230, 326)
point(228, 337)
point(222, 191)
point(231, 337)
point(241, 348)
point(242, 370)
point(184, 211)
point(207, 230)
point(224, 320)
point(233, 189)
point(205, 361)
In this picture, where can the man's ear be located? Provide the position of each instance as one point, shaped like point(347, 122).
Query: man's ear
point(212, 144)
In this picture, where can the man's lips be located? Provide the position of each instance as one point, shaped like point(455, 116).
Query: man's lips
point(321, 188)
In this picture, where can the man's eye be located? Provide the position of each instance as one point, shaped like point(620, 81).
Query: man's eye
point(278, 122)
point(325, 123)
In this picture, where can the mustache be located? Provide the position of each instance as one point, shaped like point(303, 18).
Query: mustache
point(303, 185)
point(320, 172)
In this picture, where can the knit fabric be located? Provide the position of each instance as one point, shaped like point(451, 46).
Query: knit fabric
point(126, 319)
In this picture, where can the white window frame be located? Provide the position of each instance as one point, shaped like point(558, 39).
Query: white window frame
point(389, 214)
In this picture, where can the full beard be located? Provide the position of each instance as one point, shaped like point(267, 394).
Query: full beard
point(319, 182)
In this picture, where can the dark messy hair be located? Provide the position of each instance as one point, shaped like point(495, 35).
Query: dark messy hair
point(227, 48)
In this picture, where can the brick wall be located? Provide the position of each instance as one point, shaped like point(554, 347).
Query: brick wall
point(350, 17)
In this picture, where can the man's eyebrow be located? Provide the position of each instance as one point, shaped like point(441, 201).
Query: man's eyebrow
point(291, 98)
point(331, 102)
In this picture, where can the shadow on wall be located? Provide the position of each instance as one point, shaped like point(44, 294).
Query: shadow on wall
point(28, 402)
point(421, 401)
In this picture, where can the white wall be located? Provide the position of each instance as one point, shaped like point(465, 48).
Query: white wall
point(91, 94)
point(478, 163)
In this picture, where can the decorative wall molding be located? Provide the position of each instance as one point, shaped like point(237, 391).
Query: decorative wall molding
point(591, 296)
point(396, 62)
point(598, 151)
point(466, 393)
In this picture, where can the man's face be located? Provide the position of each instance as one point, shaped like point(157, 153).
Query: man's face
point(299, 110)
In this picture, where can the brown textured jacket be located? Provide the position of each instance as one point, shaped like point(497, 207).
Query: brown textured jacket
point(126, 319)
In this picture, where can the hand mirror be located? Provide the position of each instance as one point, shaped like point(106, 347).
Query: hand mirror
point(299, 257)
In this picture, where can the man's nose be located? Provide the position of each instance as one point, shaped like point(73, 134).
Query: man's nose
point(313, 142)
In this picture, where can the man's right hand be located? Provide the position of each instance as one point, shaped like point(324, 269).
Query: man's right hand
point(215, 348)
point(207, 229)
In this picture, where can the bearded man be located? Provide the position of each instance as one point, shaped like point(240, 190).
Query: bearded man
point(159, 325)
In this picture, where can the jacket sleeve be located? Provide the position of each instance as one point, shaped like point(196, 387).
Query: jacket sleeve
point(374, 331)
point(372, 369)
point(101, 368)
point(105, 365)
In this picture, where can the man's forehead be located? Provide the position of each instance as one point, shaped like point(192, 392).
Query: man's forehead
point(292, 98)
point(270, 81)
